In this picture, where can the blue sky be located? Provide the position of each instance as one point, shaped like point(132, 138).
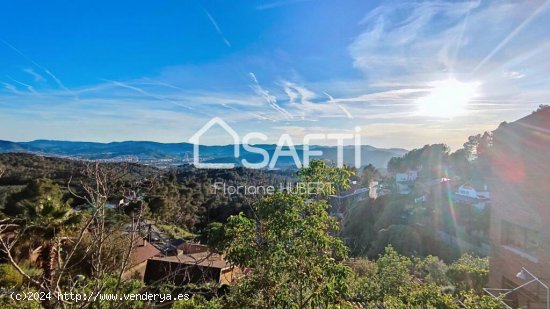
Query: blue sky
point(407, 73)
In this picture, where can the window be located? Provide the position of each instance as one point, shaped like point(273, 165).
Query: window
point(520, 237)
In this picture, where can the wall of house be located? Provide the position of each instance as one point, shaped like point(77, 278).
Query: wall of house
point(179, 273)
point(520, 191)
point(467, 191)
point(136, 272)
point(230, 275)
point(408, 176)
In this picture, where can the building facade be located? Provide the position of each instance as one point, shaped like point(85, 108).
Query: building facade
point(520, 218)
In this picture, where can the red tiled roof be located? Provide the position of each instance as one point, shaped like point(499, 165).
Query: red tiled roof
point(142, 251)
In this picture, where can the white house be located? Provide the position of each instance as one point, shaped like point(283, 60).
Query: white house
point(469, 191)
point(472, 196)
point(409, 175)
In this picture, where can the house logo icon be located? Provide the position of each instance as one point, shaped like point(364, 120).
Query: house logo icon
point(195, 140)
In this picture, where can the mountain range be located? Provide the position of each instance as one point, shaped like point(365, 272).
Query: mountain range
point(176, 153)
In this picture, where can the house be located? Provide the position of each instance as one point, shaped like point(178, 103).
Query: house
point(373, 189)
point(468, 194)
point(407, 176)
point(197, 268)
point(520, 214)
point(377, 190)
point(344, 200)
point(469, 191)
point(180, 246)
point(420, 199)
point(142, 251)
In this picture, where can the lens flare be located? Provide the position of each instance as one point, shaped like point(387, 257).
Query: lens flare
point(447, 98)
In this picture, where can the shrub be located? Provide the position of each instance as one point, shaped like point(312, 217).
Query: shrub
point(9, 276)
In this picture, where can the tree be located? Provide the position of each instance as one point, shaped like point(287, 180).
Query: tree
point(396, 281)
point(42, 213)
point(36, 192)
point(478, 145)
point(40, 210)
point(320, 172)
point(431, 160)
point(369, 173)
point(469, 273)
point(214, 236)
point(460, 164)
point(296, 261)
point(432, 270)
point(393, 269)
point(541, 108)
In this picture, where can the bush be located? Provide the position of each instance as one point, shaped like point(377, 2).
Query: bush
point(10, 277)
point(469, 272)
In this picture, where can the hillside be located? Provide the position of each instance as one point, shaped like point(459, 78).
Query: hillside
point(175, 153)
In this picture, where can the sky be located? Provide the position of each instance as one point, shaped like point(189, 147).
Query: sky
point(406, 73)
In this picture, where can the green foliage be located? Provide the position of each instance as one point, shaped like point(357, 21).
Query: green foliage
point(6, 302)
point(43, 208)
point(288, 241)
point(319, 171)
point(110, 285)
point(198, 302)
point(432, 159)
point(368, 174)
point(432, 270)
point(374, 224)
point(41, 212)
point(175, 204)
point(175, 232)
point(295, 259)
point(401, 282)
point(214, 236)
point(9, 276)
point(37, 195)
point(393, 270)
point(469, 273)
point(474, 300)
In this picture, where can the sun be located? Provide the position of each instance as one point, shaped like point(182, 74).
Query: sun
point(447, 98)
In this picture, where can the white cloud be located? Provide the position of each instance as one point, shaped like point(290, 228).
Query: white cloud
point(37, 77)
point(218, 30)
point(514, 74)
point(270, 99)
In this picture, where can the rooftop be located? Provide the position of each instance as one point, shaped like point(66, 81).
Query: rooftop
point(206, 259)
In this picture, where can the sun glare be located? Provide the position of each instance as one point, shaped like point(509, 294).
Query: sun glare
point(447, 98)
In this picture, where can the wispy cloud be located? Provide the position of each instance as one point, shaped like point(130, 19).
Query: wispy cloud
point(276, 4)
point(218, 30)
point(43, 68)
point(270, 99)
point(342, 108)
point(37, 77)
point(423, 41)
point(146, 93)
point(11, 88)
point(512, 34)
point(399, 50)
point(29, 87)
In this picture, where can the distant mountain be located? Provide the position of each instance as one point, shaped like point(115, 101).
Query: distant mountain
point(6, 146)
point(177, 153)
